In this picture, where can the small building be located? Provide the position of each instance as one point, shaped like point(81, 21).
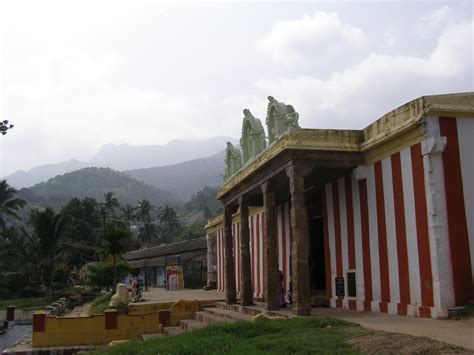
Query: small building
point(379, 219)
point(191, 255)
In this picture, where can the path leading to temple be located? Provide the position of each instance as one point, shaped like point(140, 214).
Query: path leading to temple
point(83, 310)
point(457, 332)
point(157, 294)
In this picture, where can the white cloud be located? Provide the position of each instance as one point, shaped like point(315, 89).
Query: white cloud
point(435, 21)
point(321, 36)
point(357, 96)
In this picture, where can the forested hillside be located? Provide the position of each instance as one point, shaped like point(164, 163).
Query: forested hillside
point(185, 179)
point(93, 182)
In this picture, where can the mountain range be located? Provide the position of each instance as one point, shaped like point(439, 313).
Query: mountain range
point(184, 179)
point(127, 157)
point(160, 159)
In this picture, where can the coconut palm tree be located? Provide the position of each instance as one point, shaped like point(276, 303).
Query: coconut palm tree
point(148, 233)
point(9, 204)
point(144, 209)
point(169, 223)
point(116, 242)
point(110, 203)
point(47, 243)
point(128, 212)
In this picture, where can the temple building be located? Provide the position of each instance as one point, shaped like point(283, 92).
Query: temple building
point(379, 219)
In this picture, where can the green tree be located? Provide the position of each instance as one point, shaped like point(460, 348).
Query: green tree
point(128, 212)
point(84, 229)
point(47, 243)
point(169, 223)
point(192, 231)
point(148, 233)
point(101, 274)
point(110, 204)
point(116, 242)
point(9, 204)
point(144, 209)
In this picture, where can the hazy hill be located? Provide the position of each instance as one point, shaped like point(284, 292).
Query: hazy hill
point(93, 182)
point(185, 179)
point(127, 157)
point(21, 178)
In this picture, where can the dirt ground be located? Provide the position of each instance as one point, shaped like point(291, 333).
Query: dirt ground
point(379, 342)
point(157, 294)
point(80, 311)
point(456, 332)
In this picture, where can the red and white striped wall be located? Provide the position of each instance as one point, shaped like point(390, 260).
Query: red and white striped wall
point(458, 166)
point(257, 250)
point(404, 224)
point(377, 227)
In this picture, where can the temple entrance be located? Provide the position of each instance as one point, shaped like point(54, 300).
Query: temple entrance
point(317, 266)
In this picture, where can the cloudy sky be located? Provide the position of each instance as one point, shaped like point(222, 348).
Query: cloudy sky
point(77, 75)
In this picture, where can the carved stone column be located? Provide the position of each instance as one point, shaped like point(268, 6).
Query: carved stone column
point(300, 247)
point(246, 279)
point(230, 292)
point(271, 262)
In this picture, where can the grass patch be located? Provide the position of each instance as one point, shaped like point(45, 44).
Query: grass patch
point(469, 311)
point(305, 335)
point(28, 303)
point(100, 303)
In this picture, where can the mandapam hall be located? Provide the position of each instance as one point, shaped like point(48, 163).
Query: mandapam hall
point(379, 219)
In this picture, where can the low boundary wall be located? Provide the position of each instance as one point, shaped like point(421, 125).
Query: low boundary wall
point(100, 329)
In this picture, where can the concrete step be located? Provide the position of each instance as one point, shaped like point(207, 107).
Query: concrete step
point(250, 310)
point(191, 324)
point(208, 318)
point(152, 336)
point(233, 316)
point(171, 331)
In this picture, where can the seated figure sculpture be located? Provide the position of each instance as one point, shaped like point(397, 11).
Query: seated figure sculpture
point(280, 118)
point(120, 297)
point(252, 140)
point(233, 160)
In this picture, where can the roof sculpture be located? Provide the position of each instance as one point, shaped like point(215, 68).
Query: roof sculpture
point(233, 160)
point(280, 118)
point(253, 140)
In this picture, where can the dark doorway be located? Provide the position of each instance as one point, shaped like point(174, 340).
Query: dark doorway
point(317, 265)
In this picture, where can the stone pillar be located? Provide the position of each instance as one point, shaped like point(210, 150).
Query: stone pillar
point(39, 321)
point(111, 316)
point(211, 260)
point(10, 313)
point(300, 247)
point(245, 268)
point(271, 262)
point(230, 292)
point(442, 272)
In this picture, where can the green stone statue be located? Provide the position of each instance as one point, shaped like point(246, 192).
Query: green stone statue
point(253, 140)
point(233, 160)
point(280, 118)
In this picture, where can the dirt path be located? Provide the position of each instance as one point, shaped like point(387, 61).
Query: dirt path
point(80, 311)
point(456, 332)
point(378, 342)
